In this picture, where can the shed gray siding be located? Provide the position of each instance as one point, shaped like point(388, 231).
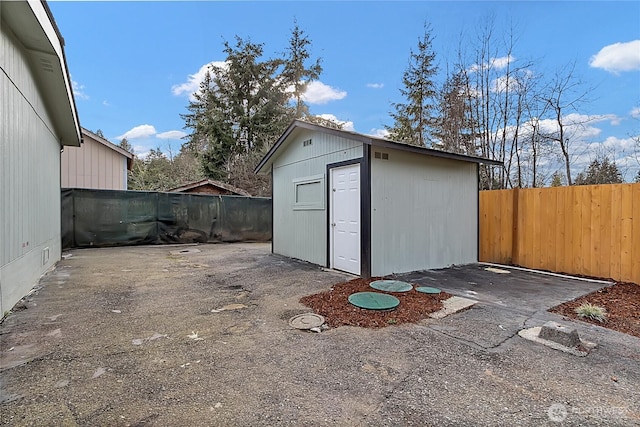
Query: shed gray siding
point(29, 176)
point(300, 231)
point(424, 212)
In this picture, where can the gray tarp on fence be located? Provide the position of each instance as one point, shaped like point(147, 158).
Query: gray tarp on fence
point(116, 218)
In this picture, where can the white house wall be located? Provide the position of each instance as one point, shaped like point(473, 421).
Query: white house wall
point(93, 165)
point(299, 231)
point(29, 177)
point(424, 212)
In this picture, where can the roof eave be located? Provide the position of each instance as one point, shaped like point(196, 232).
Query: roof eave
point(33, 25)
point(110, 145)
point(264, 166)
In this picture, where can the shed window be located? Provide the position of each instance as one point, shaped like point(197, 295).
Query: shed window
point(309, 193)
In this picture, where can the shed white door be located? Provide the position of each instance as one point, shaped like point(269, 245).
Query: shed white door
point(345, 218)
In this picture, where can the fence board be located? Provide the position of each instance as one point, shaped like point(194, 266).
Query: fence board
point(576, 231)
point(616, 231)
point(635, 241)
point(626, 225)
point(552, 250)
point(587, 230)
point(562, 249)
point(506, 229)
point(604, 239)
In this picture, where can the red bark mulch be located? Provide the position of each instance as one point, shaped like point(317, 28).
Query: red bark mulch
point(338, 311)
point(622, 302)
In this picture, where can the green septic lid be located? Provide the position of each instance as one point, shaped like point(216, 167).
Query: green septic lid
point(373, 300)
point(428, 290)
point(391, 286)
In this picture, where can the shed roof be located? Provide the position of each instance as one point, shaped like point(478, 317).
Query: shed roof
point(33, 24)
point(212, 182)
point(265, 163)
point(110, 145)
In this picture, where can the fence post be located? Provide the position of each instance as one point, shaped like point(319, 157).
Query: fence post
point(514, 228)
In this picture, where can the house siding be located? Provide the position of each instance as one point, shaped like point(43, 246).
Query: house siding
point(29, 177)
point(424, 212)
point(93, 165)
point(302, 232)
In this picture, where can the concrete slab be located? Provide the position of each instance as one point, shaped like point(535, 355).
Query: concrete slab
point(525, 291)
point(581, 350)
point(452, 305)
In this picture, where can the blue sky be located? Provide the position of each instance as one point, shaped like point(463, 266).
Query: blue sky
point(134, 64)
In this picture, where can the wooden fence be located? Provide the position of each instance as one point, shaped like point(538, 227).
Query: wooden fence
point(591, 230)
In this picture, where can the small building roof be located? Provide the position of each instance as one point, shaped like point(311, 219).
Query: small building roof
point(265, 163)
point(204, 182)
point(110, 145)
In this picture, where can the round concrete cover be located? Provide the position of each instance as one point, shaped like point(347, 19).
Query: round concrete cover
point(391, 286)
point(306, 321)
point(373, 300)
point(428, 290)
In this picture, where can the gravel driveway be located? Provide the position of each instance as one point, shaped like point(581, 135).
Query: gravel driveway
point(198, 335)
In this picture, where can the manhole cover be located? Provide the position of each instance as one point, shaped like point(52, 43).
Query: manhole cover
point(391, 286)
point(428, 290)
point(373, 300)
point(306, 321)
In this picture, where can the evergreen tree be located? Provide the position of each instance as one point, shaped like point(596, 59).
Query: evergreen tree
point(125, 145)
point(557, 179)
point(600, 171)
point(637, 177)
point(296, 73)
point(240, 108)
point(453, 128)
point(414, 119)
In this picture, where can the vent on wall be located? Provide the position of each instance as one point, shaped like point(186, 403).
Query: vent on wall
point(46, 65)
point(382, 156)
point(306, 142)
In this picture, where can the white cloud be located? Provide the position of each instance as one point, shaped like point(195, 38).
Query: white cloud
point(375, 85)
point(172, 134)
point(106, 103)
point(346, 125)
point(78, 90)
point(142, 151)
point(320, 93)
point(142, 131)
point(618, 57)
point(379, 133)
point(585, 141)
point(635, 113)
point(499, 63)
point(502, 62)
point(193, 80)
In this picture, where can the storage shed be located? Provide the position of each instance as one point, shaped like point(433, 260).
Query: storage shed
point(370, 206)
point(210, 186)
